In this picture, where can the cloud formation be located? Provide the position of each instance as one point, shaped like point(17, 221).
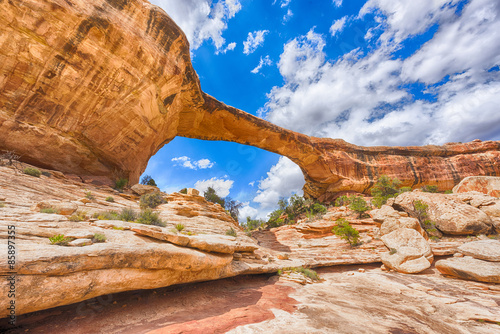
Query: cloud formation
point(254, 40)
point(201, 20)
point(338, 26)
point(266, 61)
point(187, 163)
point(220, 185)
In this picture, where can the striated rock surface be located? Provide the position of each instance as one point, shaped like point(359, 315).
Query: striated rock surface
point(470, 268)
point(450, 214)
point(95, 88)
point(488, 185)
point(488, 250)
point(409, 252)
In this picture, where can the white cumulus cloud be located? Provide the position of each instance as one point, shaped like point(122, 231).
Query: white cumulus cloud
point(220, 185)
point(337, 3)
point(254, 40)
point(188, 163)
point(266, 61)
point(338, 26)
point(201, 20)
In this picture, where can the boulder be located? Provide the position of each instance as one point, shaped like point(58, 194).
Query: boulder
point(488, 204)
point(80, 242)
point(63, 208)
point(142, 189)
point(450, 215)
point(193, 192)
point(409, 252)
point(488, 250)
point(470, 268)
point(489, 185)
point(392, 220)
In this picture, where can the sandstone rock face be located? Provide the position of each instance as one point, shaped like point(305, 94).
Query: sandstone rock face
point(470, 268)
point(488, 185)
point(451, 215)
point(142, 189)
point(488, 250)
point(96, 87)
point(410, 252)
point(392, 220)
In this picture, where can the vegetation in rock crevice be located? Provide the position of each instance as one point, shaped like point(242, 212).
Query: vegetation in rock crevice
point(231, 206)
point(151, 200)
point(32, 171)
point(346, 232)
point(289, 211)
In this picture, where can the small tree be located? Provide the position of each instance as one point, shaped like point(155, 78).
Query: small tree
point(151, 200)
point(211, 195)
point(148, 180)
point(252, 224)
point(430, 189)
point(342, 201)
point(358, 205)
point(346, 232)
point(233, 207)
point(384, 189)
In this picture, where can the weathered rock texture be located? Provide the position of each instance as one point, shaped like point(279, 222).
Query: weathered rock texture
point(96, 87)
point(488, 185)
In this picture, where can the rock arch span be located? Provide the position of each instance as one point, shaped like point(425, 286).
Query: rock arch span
point(97, 87)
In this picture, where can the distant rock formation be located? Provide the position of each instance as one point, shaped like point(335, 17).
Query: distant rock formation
point(95, 88)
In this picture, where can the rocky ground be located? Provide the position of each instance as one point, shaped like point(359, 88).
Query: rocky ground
point(91, 287)
point(350, 299)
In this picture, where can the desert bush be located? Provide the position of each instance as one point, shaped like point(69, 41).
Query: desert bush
point(150, 217)
point(2, 204)
point(211, 195)
point(231, 232)
point(449, 191)
point(60, 239)
point(252, 224)
point(127, 214)
point(49, 210)
point(233, 207)
point(342, 201)
point(404, 190)
point(430, 189)
point(110, 199)
point(179, 227)
point(384, 189)
point(151, 200)
point(78, 216)
point(183, 191)
point(148, 180)
point(120, 183)
point(89, 195)
point(358, 205)
point(346, 232)
point(420, 211)
point(98, 237)
point(106, 215)
point(306, 272)
point(32, 171)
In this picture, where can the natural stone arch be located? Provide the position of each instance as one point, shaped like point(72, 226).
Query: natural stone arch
point(99, 107)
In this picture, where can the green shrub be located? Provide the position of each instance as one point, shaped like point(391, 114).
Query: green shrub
point(148, 180)
point(358, 205)
point(420, 210)
point(404, 190)
point(252, 224)
point(127, 214)
point(448, 191)
point(89, 195)
point(60, 239)
point(106, 215)
point(110, 199)
point(393, 251)
point(384, 189)
point(2, 204)
point(32, 171)
point(49, 210)
point(120, 183)
point(183, 191)
point(231, 232)
point(78, 216)
point(342, 201)
point(306, 272)
point(150, 217)
point(151, 200)
point(430, 189)
point(346, 232)
point(98, 237)
point(211, 195)
point(179, 227)
point(119, 228)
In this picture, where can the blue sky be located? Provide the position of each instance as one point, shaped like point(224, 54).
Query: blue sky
point(376, 72)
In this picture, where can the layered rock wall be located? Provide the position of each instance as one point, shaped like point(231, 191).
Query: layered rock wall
point(97, 87)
